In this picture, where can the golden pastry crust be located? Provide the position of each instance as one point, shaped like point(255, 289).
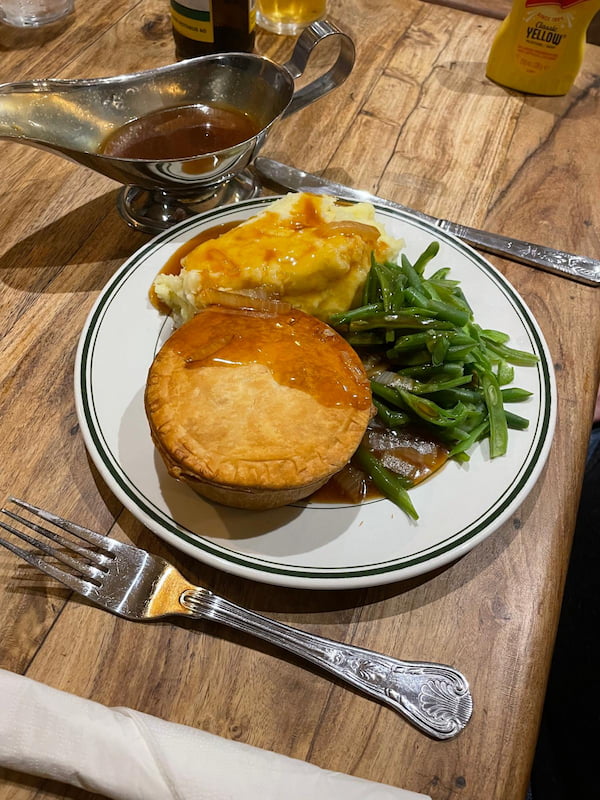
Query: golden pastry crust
point(256, 410)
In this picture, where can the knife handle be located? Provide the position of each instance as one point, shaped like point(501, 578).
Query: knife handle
point(434, 697)
point(582, 268)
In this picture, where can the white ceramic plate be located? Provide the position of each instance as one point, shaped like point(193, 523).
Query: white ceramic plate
point(305, 545)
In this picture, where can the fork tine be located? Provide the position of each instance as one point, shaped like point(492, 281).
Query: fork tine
point(70, 581)
point(56, 537)
point(88, 535)
point(86, 570)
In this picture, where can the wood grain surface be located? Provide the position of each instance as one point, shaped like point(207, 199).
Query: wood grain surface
point(417, 121)
point(498, 9)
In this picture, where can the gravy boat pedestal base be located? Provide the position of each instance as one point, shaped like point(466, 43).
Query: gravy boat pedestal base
point(154, 210)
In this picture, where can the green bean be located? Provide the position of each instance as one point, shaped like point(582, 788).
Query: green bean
point(388, 393)
point(450, 436)
point(365, 339)
point(392, 485)
point(497, 418)
point(438, 346)
point(516, 422)
point(370, 288)
point(481, 355)
point(460, 352)
point(445, 311)
point(415, 297)
point(450, 296)
point(476, 413)
point(426, 256)
point(391, 417)
point(398, 320)
point(395, 268)
point(520, 358)
point(441, 274)
point(412, 276)
point(389, 296)
point(430, 411)
point(461, 295)
point(515, 395)
point(451, 369)
point(478, 432)
point(419, 311)
point(494, 336)
point(458, 316)
point(398, 295)
point(465, 395)
point(362, 312)
point(374, 310)
point(439, 386)
point(505, 373)
point(429, 290)
point(385, 281)
point(412, 341)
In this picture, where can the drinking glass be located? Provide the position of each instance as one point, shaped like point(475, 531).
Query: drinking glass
point(288, 16)
point(33, 13)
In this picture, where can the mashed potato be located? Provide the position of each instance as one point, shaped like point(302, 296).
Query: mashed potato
point(308, 250)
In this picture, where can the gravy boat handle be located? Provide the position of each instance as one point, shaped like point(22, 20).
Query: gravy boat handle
point(330, 79)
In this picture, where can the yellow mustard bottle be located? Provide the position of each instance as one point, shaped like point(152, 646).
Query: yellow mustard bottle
point(539, 46)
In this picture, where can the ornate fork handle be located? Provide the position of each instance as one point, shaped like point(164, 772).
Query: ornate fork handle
point(434, 697)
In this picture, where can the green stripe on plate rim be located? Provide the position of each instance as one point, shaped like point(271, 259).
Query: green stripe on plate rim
point(145, 505)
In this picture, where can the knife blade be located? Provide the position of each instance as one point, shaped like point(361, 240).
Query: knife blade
point(580, 268)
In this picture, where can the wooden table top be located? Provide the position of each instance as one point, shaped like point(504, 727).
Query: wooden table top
point(417, 121)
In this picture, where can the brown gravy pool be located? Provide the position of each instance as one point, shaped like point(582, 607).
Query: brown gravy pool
point(415, 461)
point(173, 265)
point(180, 132)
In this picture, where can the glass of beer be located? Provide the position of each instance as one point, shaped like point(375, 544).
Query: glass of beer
point(288, 16)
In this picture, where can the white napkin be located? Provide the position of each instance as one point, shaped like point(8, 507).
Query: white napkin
point(127, 755)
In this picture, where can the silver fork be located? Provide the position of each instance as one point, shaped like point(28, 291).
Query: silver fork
point(133, 584)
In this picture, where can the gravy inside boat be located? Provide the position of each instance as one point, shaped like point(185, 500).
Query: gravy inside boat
point(180, 132)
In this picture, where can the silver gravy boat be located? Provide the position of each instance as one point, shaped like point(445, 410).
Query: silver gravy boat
point(72, 118)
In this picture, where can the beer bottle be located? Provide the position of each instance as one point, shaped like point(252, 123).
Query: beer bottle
point(202, 27)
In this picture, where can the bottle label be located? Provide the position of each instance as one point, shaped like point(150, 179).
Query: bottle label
point(545, 29)
point(193, 19)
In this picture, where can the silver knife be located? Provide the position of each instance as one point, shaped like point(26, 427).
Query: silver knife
point(579, 268)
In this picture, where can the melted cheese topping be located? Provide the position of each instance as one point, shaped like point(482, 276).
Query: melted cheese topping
point(308, 250)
